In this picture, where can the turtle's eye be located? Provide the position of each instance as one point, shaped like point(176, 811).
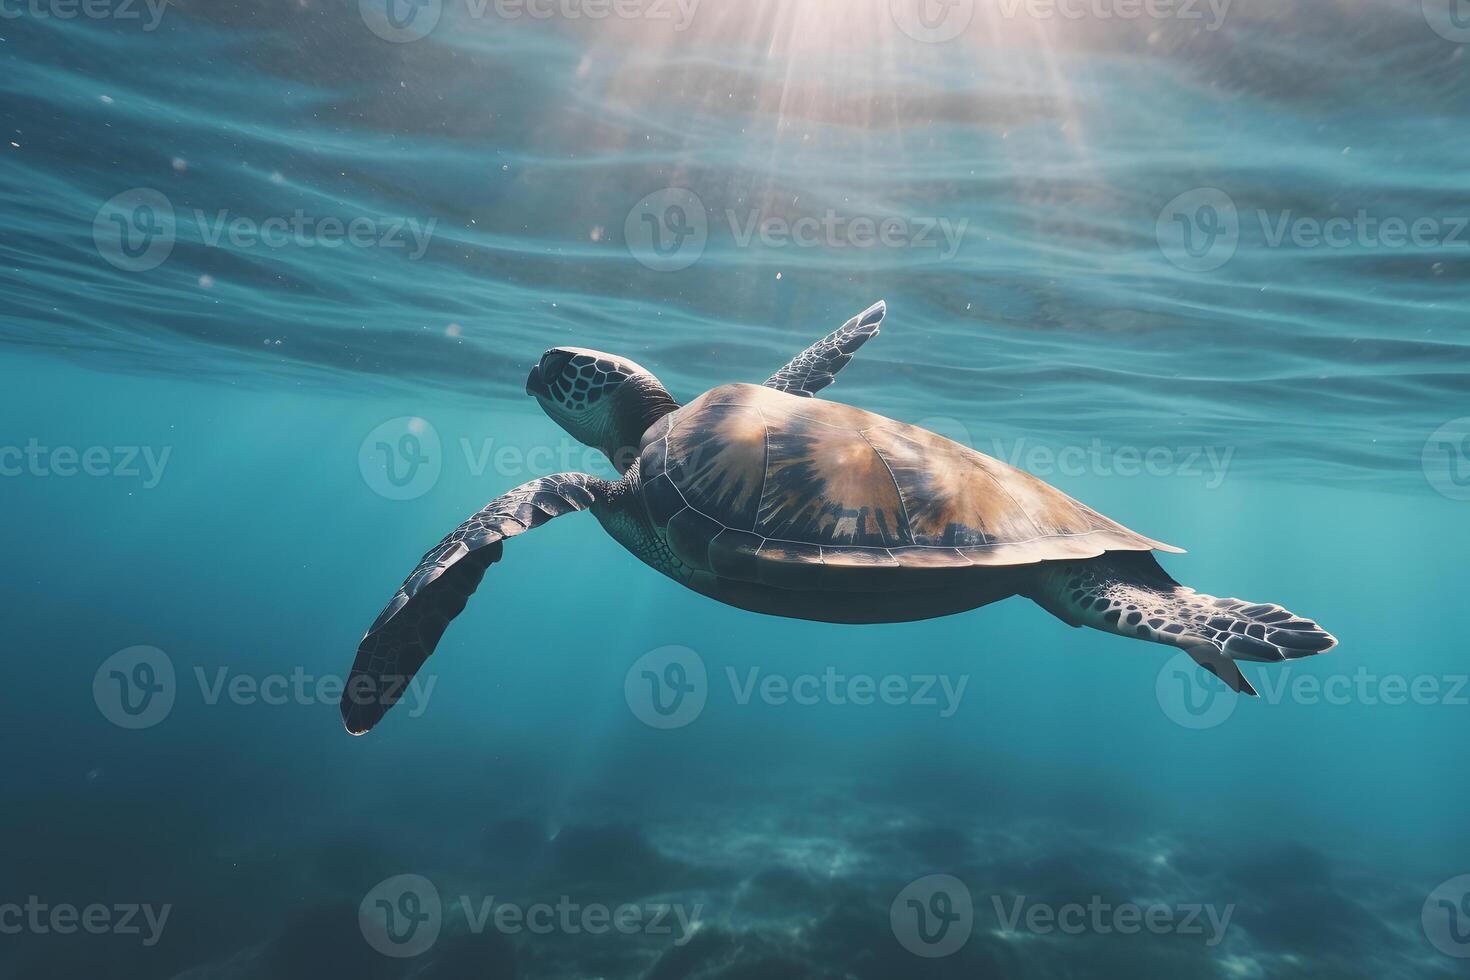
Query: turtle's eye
point(554, 363)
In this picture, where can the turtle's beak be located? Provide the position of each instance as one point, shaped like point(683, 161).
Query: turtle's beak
point(534, 384)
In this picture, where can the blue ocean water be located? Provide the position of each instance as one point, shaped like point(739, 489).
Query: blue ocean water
point(271, 278)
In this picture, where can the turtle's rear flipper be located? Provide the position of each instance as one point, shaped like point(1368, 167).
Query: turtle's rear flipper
point(1127, 593)
point(1212, 658)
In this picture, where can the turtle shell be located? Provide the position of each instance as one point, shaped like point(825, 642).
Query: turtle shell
point(745, 478)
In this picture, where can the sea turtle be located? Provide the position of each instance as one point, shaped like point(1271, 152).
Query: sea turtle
point(768, 499)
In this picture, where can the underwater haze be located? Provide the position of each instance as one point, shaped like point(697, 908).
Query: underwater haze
point(273, 272)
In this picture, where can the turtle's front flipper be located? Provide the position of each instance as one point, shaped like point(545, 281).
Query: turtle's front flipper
point(409, 628)
point(1127, 593)
point(815, 368)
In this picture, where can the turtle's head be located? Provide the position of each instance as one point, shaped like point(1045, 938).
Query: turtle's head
point(602, 400)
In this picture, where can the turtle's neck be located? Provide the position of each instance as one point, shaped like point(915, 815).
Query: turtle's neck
point(640, 402)
point(653, 403)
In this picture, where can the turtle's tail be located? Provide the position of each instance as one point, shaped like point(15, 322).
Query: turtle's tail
point(1126, 592)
